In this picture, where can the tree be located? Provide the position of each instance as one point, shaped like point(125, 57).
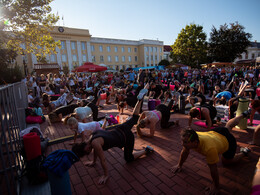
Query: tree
point(227, 43)
point(164, 62)
point(26, 25)
point(8, 74)
point(190, 48)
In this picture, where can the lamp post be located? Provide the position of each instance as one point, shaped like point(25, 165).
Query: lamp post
point(24, 64)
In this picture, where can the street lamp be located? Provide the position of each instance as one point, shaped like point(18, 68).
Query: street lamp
point(24, 64)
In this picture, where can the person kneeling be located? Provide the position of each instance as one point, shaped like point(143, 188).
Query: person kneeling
point(119, 136)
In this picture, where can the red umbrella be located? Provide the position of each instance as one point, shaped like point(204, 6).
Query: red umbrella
point(89, 67)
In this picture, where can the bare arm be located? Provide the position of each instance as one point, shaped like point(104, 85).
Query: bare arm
point(96, 144)
point(207, 117)
point(184, 155)
point(215, 177)
point(190, 120)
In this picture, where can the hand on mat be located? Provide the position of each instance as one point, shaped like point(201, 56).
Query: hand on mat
point(102, 179)
point(175, 169)
point(89, 163)
point(211, 190)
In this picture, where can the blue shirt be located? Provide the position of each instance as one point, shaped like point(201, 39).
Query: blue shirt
point(225, 94)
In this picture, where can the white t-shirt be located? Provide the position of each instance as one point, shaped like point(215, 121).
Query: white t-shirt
point(88, 126)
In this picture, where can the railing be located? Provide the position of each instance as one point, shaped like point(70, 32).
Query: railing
point(13, 101)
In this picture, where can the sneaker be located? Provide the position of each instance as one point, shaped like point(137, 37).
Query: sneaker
point(245, 151)
point(247, 113)
point(149, 149)
point(142, 93)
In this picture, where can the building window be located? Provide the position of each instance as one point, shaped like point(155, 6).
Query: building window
point(129, 58)
point(73, 45)
point(116, 49)
point(145, 49)
point(93, 58)
point(84, 57)
point(109, 58)
point(155, 57)
point(108, 49)
point(135, 58)
point(135, 49)
point(101, 48)
point(123, 67)
point(123, 58)
point(74, 58)
point(129, 49)
point(151, 57)
point(253, 56)
point(161, 50)
point(83, 45)
point(64, 58)
point(116, 58)
point(151, 49)
point(123, 49)
point(117, 68)
point(62, 45)
point(101, 59)
point(258, 54)
point(147, 58)
point(160, 58)
point(53, 59)
point(155, 49)
point(92, 48)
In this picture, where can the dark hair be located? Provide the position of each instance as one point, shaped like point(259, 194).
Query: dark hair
point(78, 149)
point(223, 101)
point(190, 133)
point(194, 112)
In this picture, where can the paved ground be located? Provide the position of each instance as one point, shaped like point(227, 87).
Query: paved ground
point(150, 174)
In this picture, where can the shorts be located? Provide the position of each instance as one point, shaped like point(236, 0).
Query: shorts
point(232, 143)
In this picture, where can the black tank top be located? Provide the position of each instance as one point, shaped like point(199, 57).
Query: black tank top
point(65, 110)
point(112, 138)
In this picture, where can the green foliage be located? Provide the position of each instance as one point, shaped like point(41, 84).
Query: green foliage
point(190, 48)
point(227, 43)
point(164, 62)
point(27, 24)
point(10, 75)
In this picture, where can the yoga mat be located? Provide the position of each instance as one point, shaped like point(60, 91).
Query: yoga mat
point(202, 124)
point(255, 122)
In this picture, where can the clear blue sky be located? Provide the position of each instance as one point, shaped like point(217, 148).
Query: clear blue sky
point(156, 19)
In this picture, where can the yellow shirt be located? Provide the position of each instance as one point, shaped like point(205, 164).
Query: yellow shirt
point(211, 145)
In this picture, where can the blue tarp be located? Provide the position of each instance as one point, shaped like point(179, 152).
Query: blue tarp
point(149, 67)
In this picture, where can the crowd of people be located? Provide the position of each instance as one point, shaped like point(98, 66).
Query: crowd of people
point(77, 96)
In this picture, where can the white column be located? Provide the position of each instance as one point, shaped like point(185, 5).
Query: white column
point(79, 53)
point(59, 58)
point(89, 52)
point(69, 55)
point(158, 55)
point(154, 63)
point(145, 58)
point(149, 56)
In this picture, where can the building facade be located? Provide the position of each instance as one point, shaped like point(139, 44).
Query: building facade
point(253, 51)
point(78, 47)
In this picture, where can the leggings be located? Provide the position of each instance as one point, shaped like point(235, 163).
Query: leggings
point(165, 111)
